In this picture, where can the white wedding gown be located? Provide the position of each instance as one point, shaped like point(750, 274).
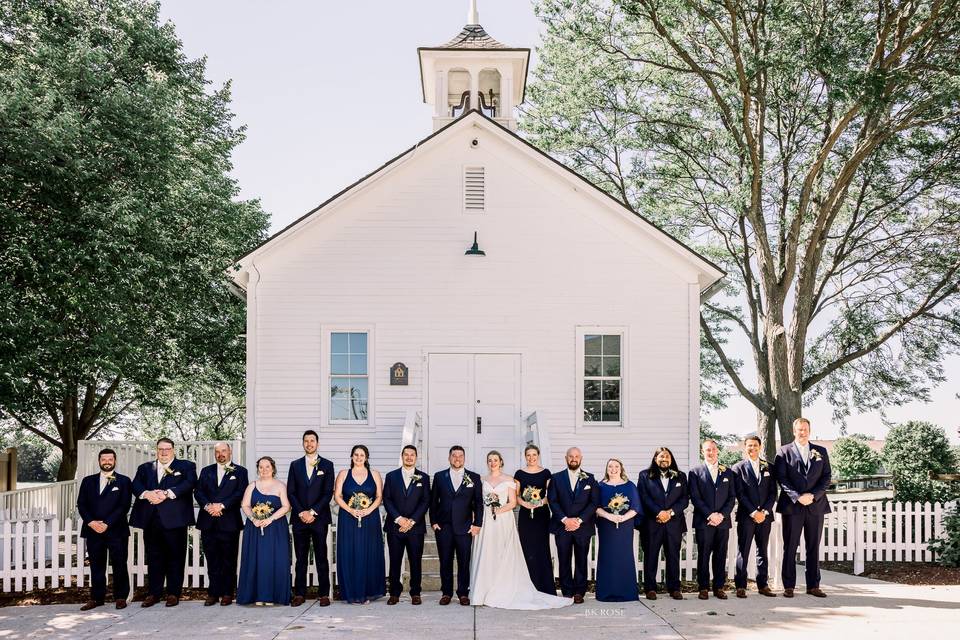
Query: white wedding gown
point(498, 571)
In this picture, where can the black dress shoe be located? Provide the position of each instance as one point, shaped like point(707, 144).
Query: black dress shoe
point(91, 604)
point(444, 600)
point(393, 600)
point(416, 600)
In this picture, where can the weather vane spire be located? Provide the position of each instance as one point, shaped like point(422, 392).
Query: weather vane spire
point(473, 17)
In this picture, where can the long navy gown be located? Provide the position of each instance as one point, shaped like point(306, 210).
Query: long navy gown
point(360, 567)
point(265, 558)
point(534, 532)
point(617, 561)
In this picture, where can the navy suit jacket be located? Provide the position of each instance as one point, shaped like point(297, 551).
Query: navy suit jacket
point(579, 502)
point(399, 501)
point(795, 479)
point(655, 500)
point(172, 513)
point(752, 496)
point(460, 508)
point(306, 495)
point(708, 497)
point(229, 493)
point(110, 507)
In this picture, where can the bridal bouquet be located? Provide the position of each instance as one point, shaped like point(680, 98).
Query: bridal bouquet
point(493, 501)
point(262, 511)
point(359, 500)
point(532, 495)
point(618, 504)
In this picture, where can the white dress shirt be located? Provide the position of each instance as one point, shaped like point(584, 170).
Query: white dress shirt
point(574, 478)
point(221, 471)
point(311, 470)
point(103, 480)
point(665, 482)
point(456, 477)
point(714, 470)
point(407, 476)
point(756, 468)
point(804, 452)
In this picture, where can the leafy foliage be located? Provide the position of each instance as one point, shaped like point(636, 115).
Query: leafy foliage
point(947, 547)
point(913, 450)
point(852, 457)
point(119, 216)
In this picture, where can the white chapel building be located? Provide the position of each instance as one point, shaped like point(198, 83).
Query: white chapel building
point(474, 291)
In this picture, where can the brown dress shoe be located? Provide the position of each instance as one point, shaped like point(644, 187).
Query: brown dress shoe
point(90, 604)
point(297, 601)
point(741, 593)
point(464, 601)
point(577, 598)
point(393, 600)
point(703, 595)
point(172, 601)
point(323, 601)
point(210, 601)
point(651, 595)
point(788, 593)
point(766, 591)
point(121, 604)
point(676, 595)
point(226, 601)
point(149, 601)
point(444, 600)
point(720, 594)
point(415, 600)
point(816, 592)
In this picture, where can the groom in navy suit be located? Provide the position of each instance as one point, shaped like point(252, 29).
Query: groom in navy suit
point(756, 495)
point(573, 499)
point(164, 509)
point(103, 502)
point(713, 493)
point(219, 492)
point(803, 471)
point(456, 514)
point(406, 497)
point(309, 489)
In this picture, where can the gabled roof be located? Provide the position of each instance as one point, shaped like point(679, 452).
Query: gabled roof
point(715, 273)
point(473, 36)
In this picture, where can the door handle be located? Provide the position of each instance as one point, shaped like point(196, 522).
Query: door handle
point(479, 424)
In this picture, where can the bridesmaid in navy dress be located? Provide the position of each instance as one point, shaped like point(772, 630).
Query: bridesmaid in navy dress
point(617, 560)
point(265, 557)
point(360, 565)
point(533, 520)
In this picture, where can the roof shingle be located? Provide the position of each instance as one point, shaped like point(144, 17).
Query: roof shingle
point(473, 36)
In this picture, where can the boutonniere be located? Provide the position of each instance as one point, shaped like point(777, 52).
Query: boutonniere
point(467, 481)
point(582, 475)
point(229, 468)
point(722, 468)
point(167, 471)
point(763, 465)
point(815, 455)
point(110, 479)
point(669, 474)
point(417, 478)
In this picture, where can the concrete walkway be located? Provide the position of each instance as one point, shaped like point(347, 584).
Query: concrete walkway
point(857, 608)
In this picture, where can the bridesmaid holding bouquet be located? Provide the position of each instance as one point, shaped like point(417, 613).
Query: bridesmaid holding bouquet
point(533, 520)
point(265, 557)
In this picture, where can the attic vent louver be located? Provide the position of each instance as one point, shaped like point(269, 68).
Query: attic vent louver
point(474, 189)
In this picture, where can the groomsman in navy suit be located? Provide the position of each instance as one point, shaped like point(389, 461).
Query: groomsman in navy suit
point(310, 489)
point(219, 492)
point(103, 502)
point(803, 471)
point(164, 510)
point(756, 496)
point(406, 497)
point(573, 498)
point(713, 493)
point(456, 514)
point(663, 492)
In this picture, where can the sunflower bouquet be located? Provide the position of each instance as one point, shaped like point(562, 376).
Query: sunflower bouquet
point(262, 511)
point(534, 496)
point(359, 500)
point(618, 504)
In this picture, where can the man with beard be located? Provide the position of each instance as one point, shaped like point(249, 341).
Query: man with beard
point(164, 510)
point(406, 498)
point(219, 492)
point(663, 492)
point(103, 502)
point(573, 500)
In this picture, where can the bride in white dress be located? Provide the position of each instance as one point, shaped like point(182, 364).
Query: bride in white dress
point(498, 571)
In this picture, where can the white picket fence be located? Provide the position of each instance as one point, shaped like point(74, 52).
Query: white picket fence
point(49, 553)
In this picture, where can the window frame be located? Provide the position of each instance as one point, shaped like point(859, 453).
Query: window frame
point(326, 351)
point(580, 369)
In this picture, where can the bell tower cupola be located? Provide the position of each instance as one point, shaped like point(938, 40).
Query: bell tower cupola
point(473, 72)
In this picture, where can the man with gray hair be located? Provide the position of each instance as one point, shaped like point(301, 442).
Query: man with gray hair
point(219, 492)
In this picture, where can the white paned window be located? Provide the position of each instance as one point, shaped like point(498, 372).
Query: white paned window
point(348, 389)
point(601, 380)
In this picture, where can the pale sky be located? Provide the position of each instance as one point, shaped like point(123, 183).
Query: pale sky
point(330, 90)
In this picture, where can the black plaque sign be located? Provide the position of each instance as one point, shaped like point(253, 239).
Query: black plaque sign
point(399, 374)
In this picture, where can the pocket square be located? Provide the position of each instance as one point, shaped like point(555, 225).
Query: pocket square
point(319, 473)
point(766, 474)
point(115, 489)
point(176, 473)
point(233, 477)
point(586, 488)
point(419, 484)
point(726, 479)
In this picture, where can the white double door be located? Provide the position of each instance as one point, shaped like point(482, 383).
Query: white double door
point(473, 400)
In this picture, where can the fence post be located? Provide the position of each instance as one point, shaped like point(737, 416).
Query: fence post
point(858, 547)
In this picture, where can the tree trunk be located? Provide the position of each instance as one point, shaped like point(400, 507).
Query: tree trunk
point(766, 425)
point(69, 460)
point(788, 404)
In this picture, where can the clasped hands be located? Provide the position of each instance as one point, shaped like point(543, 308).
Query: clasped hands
point(571, 524)
point(714, 519)
point(664, 516)
point(806, 499)
point(306, 517)
point(215, 509)
point(156, 496)
point(98, 525)
point(759, 516)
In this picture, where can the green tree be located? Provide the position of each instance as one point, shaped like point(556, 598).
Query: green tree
point(852, 457)
point(118, 217)
point(913, 450)
point(811, 149)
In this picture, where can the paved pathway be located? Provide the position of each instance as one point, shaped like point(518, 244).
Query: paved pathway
point(858, 608)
